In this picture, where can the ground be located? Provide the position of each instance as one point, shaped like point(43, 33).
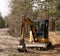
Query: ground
point(8, 46)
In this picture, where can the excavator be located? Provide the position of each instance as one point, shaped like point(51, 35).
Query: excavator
point(38, 37)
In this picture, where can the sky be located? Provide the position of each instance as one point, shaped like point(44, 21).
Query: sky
point(4, 7)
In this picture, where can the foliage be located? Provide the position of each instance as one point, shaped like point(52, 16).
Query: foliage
point(18, 9)
point(2, 22)
point(49, 9)
point(58, 25)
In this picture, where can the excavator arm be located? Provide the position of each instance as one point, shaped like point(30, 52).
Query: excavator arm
point(27, 21)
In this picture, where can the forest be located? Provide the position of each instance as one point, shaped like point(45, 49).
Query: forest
point(35, 9)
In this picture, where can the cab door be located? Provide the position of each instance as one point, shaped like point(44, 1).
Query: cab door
point(41, 27)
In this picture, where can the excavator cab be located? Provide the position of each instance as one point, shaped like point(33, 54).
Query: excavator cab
point(41, 28)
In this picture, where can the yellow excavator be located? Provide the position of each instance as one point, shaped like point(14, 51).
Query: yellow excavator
point(38, 34)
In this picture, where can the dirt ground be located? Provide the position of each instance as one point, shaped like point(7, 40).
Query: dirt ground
point(8, 46)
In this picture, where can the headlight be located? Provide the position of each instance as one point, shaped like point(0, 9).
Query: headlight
point(43, 39)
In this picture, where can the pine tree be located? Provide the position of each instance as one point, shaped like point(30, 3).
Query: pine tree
point(2, 23)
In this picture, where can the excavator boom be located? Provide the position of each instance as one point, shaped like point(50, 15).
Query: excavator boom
point(29, 23)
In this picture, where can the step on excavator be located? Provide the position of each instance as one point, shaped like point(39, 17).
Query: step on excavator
point(38, 37)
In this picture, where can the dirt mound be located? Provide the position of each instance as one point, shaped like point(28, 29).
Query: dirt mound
point(54, 37)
